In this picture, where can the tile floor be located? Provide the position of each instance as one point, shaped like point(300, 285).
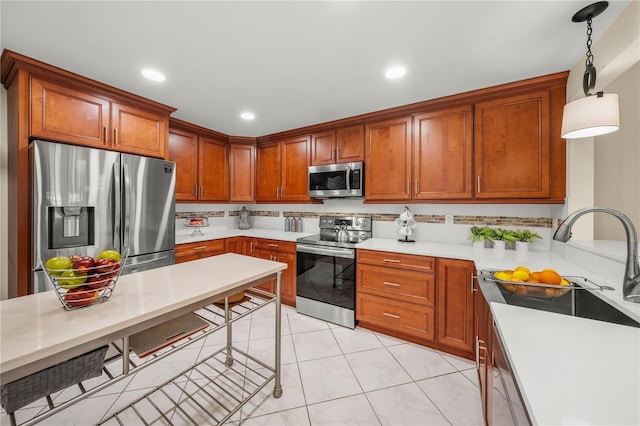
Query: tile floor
point(330, 376)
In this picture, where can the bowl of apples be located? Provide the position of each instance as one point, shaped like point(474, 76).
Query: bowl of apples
point(81, 281)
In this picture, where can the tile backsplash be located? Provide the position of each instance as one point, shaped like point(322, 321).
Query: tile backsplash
point(431, 226)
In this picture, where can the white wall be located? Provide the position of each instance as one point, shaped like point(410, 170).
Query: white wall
point(617, 161)
point(616, 51)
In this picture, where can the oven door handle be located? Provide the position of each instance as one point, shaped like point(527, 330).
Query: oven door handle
point(334, 251)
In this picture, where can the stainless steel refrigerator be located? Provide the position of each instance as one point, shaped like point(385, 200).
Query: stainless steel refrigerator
point(87, 200)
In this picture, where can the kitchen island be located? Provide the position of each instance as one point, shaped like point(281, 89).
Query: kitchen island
point(37, 333)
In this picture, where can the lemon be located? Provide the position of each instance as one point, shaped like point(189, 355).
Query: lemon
point(520, 275)
point(523, 268)
point(502, 276)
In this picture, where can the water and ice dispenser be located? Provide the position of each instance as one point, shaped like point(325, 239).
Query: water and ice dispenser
point(71, 226)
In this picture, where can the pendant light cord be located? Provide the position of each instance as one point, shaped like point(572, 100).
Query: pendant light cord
point(589, 77)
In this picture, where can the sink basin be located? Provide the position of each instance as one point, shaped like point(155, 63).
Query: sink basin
point(588, 305)
point(579, 303)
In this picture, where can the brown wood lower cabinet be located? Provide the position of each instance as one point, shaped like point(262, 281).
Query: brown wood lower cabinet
point(455, 305)
point(198, 250)
point(417, 298)
point(406, 318)
point(279, 251)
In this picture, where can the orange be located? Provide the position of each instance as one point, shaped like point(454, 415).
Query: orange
point(549, 276)
point(535, 276)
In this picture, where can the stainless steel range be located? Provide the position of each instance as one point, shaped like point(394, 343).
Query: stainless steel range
point(326, 268)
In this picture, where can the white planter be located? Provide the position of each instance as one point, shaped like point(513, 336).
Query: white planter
point(522, 246)
point(499, 245)
point(478, 244)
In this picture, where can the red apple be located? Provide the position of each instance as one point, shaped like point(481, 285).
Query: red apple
point(96, 282)
point(83, 264)
point(80, 296)
point(105, 265)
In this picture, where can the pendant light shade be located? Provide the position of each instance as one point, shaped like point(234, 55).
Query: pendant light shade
point(595, 114)
point(591, 116)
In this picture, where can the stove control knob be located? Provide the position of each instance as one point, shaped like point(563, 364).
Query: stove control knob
point(364, 222)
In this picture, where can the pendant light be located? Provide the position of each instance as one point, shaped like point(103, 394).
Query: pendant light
point(596, 113)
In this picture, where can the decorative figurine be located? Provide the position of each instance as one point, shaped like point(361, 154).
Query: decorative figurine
point(244, 219)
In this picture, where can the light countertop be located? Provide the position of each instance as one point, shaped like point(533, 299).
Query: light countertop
point(184, 236)
point(36, 327)
point(572, 370)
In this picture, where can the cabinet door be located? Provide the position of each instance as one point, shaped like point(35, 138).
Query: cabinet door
point(213, 170)
point(270, 285)
point(242, 173)
point(295, 170)
point(64, 114)
point(350, 144)
point(455, 304)
point(323, 148)
point(388, 164)
point(512, 147)
point(288, 286)
point(442, 155)
point(139, 132)
point(183, 149)
point(268, 172)
point(233, 245)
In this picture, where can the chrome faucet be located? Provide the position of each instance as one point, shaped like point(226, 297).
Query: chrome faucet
point(631, 283)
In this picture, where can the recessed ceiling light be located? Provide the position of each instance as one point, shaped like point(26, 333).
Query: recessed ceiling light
point(247, 116)
point(395, 72)
point(153, 75)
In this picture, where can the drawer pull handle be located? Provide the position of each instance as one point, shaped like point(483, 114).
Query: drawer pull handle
point(392, 260)
point(200, 248)
point(390, 284)
point(391, 315)
point(273, 245)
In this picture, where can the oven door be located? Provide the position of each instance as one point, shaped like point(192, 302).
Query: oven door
point(327, 275)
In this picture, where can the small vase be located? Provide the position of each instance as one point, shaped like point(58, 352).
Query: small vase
point(522, 246)
point(478, 244)
point(499, 245)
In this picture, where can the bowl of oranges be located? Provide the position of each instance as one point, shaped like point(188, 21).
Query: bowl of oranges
point(546, 284)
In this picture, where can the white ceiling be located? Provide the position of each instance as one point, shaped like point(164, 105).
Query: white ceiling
point(299, 63)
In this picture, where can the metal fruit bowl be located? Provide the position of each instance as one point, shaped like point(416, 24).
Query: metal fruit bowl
point(540, 290)
point(88, 287)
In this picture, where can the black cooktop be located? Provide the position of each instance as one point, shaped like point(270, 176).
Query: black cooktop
point(319, 240)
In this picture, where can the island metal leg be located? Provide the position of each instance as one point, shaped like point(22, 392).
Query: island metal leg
point(277, 389)
point(227, 318)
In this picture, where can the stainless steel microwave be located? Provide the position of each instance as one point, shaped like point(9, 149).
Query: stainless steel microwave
point(337, 180)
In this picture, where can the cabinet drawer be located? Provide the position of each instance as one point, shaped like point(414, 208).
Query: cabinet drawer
point(200, 247)
point(275, 245)
point(410, 286)
point(397, 260)
point(403, 317)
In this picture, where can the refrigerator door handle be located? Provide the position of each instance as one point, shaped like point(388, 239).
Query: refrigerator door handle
point(115, 214)
point(125, 205)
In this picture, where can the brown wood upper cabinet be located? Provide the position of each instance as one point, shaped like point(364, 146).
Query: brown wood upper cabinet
point(344, 145)
point(68, 114)
point(202, 166)
point(443, 154)
point(242, 172)
point(282, 170)
point(388, 160)
point(512, 145)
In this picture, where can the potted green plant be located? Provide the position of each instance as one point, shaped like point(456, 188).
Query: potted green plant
point(502, 237)
point(524, 239)
point(479, 235)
